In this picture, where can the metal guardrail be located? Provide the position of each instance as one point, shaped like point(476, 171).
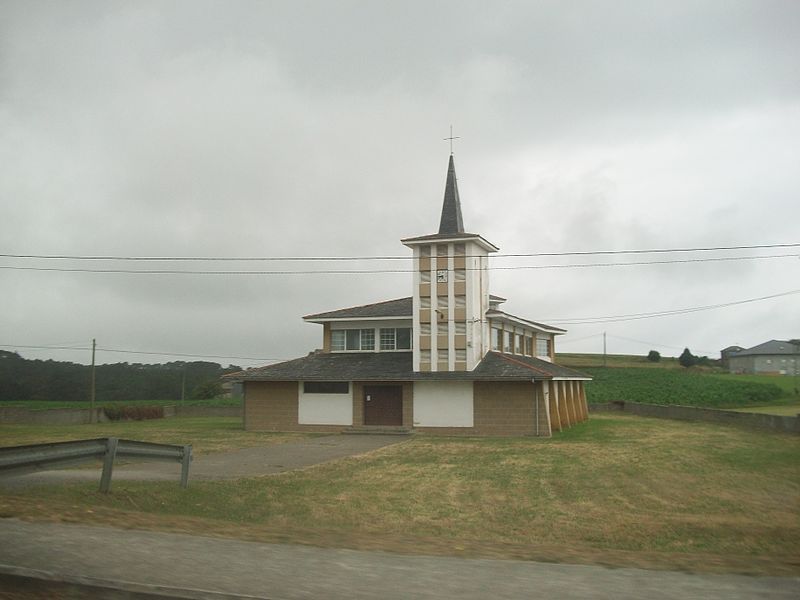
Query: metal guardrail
point(21, 459)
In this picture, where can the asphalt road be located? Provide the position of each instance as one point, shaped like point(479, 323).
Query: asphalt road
point(204, 567)
point(248, 462)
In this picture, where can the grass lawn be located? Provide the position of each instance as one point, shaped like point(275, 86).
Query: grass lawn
point(786, 410)
point(206, 434)
point(617, 490)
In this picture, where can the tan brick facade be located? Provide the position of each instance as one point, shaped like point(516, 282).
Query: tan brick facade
point(500, 408)
point(273, 406)
point(504, 409)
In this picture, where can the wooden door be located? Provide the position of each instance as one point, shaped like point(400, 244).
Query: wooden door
point(383, 405)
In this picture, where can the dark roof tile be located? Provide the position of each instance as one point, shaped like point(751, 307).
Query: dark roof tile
point(397, 366)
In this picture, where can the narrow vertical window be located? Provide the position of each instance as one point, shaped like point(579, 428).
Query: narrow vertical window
point(368, 339)
point(337, 339)
point(387, 339)
point(497, 336)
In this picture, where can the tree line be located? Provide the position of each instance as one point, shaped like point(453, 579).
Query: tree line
point(24, 379)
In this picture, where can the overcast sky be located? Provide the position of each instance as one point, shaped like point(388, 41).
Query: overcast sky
point(269, 129)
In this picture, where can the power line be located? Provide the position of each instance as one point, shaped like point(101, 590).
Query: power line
point(117, 350)
point(366, 257)
point(664, 313)
point(387, 271)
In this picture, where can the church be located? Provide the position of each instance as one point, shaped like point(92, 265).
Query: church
point(447, 359)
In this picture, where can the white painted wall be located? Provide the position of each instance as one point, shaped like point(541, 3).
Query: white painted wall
point(443, 404)
point(325, 409)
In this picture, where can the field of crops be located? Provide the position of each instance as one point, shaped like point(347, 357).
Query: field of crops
point(684, 387)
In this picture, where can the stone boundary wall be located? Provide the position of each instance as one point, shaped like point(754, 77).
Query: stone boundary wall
point(50, 416)
point(778, 423)
point(14, 415)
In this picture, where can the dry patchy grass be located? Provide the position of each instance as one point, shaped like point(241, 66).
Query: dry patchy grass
point(617, 490)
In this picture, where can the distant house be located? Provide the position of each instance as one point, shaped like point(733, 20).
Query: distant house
point(775, 357)
point(725, 355)
point(447, 359)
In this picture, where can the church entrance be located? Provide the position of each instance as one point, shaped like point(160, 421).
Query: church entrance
point(383, 405)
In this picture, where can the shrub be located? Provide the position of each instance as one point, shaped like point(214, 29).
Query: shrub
point(653, 356)
point(133, 413)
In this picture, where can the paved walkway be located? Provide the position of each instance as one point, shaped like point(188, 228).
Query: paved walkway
point(141, 561)
point(248, 462)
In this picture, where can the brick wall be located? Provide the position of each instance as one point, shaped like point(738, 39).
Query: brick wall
point(503, 409)
point(273, 406)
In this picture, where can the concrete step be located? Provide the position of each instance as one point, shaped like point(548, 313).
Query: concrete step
point(377, 430)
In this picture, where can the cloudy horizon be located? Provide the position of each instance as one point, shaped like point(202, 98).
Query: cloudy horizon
point(308, 129)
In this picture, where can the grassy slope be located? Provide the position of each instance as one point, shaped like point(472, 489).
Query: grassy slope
point(684, 387)
point(617, 490)
point(615, 360)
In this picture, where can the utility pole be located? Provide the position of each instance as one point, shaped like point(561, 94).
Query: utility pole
point(92, 397)
point(604, 348)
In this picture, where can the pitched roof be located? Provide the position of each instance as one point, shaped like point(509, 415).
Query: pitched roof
point(771, 347)
point(451, 221)
point(499, 314)
point(397, 366)
point(400, 308)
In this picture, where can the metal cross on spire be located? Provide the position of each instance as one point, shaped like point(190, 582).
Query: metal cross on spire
point(451, 138)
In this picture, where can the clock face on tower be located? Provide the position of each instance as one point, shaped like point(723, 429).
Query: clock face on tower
point(441, 276)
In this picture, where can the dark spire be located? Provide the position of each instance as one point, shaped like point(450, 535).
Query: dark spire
point(451, 221)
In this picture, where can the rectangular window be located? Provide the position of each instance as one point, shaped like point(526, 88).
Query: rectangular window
point(403, 339)
point(528, 345)
point(497, 336)
point(425, 328)
point(441, 250)
point(396, 339)
point(368, 339)
point(424, 276)
point(337, 339)
point(460, 328)
point(441, 301)
point(460, 249)
point(460, 275)
point(387, 339)
point(461, 355)
point(542, 347)
point(352, 339)
point(518, 345)
point(326, 387)
point(425, 251)
point(425, 356)
point(425, 302)
point(460, 301)
point(507, 341)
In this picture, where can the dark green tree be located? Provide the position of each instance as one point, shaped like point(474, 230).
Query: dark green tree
point(208, 390)
point(687, 359)
point(653, 356)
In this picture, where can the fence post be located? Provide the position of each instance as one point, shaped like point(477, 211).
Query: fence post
point(108, 464)
point(187, 460)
